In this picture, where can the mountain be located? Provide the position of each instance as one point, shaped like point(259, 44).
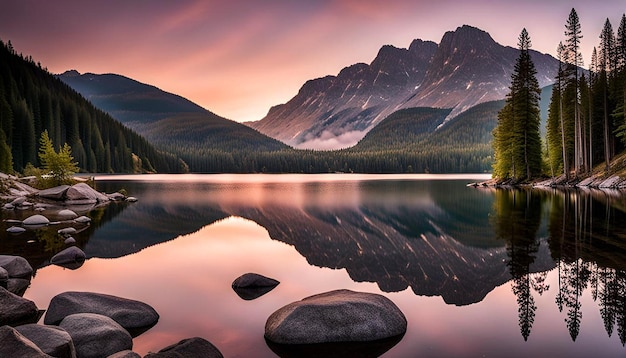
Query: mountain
point(172, 122)
point(33, 100)
point(466, 68)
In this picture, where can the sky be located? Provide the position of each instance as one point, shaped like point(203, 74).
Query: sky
point(238, 58)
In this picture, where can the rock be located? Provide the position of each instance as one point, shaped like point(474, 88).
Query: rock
point(4, 278)
point(96, 335)
point(70, 240)
point(36, 220)
point(136, 317)
point(15, 344)
point(71, 258)
point(125, 354)
point(15, 230)
point(116, 196)
point(371, 349)
point(249, 280)
point(83, 193)
point(66, 231)
point(191, 347)
point(8, 206)
point(131, 199)
point(336, 316)
point(16, 266)
point(250, 286)
point(67, 214)
point(16, 310)
point(18, 286)
point(83, 219)
point(52, 340)
point(56, 193)
point(18, 201)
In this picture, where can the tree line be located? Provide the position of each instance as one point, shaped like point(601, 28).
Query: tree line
point(33, 101)
point(586, 126)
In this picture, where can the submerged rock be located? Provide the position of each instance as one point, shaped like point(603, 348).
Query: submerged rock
point(52, 340)
point(96, 335)
point(193, 347)
point(15, 310)
point(136, 317)
point(15, 344)
point(336, 316)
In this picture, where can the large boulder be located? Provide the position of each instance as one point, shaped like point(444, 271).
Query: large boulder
point(71, 258)
point(136, 317)
point(16, 345)
point(15, 310)
point(82, 193)
point(16, 266)
point(96, 335)
point(336, 316)
point(52, 340)
point(56, 193)
point(250, 286)
point(192, 347)
point(36, 220)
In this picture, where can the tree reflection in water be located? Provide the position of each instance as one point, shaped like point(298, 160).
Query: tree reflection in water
point(587, 246)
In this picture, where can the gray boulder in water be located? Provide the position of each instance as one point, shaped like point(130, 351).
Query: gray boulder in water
point(82, 193)
point(52, 340)
point(95, 335)
point(15, 344)
point(36, 220)
point(336, 316)
point(193, 347)
point(71, 258)
point(250, 286)
point(136, 317)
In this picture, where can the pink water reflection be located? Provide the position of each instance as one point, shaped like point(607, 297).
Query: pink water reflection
point(187, 280)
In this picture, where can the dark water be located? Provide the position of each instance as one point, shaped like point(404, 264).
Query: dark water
point(477, 272)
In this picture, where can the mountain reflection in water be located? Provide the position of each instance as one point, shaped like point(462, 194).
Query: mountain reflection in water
point(438, 238)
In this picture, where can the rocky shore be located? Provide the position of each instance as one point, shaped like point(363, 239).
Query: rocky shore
point(613, 182)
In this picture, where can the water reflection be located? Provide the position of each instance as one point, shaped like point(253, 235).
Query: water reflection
point(437, 238)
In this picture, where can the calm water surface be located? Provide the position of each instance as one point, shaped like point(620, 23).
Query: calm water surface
point(477, 272)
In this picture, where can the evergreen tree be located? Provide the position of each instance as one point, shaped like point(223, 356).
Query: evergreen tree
point(517, 133)
point(59, 165)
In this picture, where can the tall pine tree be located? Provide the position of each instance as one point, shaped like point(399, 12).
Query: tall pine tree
point(517, 143)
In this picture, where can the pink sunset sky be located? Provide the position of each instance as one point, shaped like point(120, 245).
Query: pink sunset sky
point(238, 58)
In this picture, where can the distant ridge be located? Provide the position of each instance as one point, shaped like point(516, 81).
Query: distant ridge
point(466, 68)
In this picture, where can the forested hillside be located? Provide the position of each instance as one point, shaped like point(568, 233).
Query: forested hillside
point(32, 100)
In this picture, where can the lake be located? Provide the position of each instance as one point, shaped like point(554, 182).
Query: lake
point(476, 271)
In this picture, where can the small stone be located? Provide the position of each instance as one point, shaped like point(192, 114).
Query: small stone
point(67, 231)
point(83, 219)
point(125, 354)
point(67, 214)
point(131, 199)
point(70, 240)
point(15, 230)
